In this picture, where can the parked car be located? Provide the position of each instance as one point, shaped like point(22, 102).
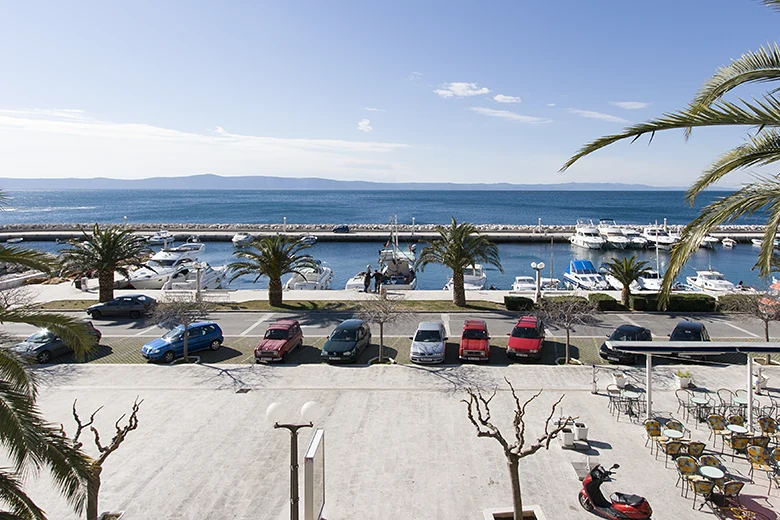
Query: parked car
point(132, 305)
point(347, 341)
point(429, 343)
point(690, 331)
point(624, 333)
point(45, 345)
point(343, 228)
point(279, 339)
point(202, 335)
point(526, 339)
point(475, 341)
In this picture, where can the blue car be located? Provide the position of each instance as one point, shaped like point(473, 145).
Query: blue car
point(202, 335)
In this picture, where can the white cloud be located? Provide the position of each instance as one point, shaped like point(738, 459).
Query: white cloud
point(590, 114)
point(414, 76)
point(46, 143)
point(459, 89)
point(370, 109)
point(364, 125)
point(506, 99)
point(630, 105)
point(505, 114)
point(550, 104)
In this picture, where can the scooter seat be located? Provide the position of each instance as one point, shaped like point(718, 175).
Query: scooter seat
point(629, 500)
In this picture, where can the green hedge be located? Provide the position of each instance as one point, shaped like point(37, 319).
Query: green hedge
point(677, 303)
point(565, 299)
point(605, 302)
point(518, 303)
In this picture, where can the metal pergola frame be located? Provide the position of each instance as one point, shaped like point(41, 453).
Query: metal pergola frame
point(648, 348)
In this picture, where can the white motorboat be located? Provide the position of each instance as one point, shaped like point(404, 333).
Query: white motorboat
point(397, 265)
point(580, 274)
point(710, 281)
point(242, 239)
point(650, 281)
point(728, 243)
point(474, 279)
point(358, 282)
point(612, 234)
point(155, 273)
point(528, 283)
point(658, 237)
point(14, 240)
point(635, 238)
point(586, 235)
point(307, 239)
point(185, 277)
point(709, 242)
point(311, 279)
point(755, 241)
point(161, 237)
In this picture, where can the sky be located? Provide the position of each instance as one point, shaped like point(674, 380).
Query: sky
point(384, 91)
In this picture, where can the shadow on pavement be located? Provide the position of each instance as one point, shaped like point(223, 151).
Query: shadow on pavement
point(223, 354)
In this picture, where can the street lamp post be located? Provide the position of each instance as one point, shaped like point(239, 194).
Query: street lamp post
point(199, 266)
point(310, 412)
point(538, 266)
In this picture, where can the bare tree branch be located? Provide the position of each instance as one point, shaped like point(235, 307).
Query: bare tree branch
point(81, 426)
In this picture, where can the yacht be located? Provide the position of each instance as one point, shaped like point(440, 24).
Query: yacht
point(728, 243)
point(357, 282)
point(474, 279)
point(755, 241)
point(582, 275)
point(395, 264)
point(650, 281)
point(709, 242)
point(161, 237)
point(528, 283)
point(612, 234)
point(710, 280)
point(658, 237)
point(635, 239)
point(242, 239)
point(311, 279)
point(185, 277)
point(155, 273)
point(586, 235)
point(309, 240)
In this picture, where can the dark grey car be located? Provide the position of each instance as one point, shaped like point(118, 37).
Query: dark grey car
point(131, 305)
point(45, 345)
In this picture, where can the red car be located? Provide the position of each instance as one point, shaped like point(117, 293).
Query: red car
point(475, 341)
point(526, 338)
point(280, 338)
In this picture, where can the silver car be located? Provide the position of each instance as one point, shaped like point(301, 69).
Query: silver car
point(429, 343)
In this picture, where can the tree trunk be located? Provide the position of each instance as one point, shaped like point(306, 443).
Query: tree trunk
point(458, 291)
point(93, 489)
point(768, 359)
point(625, 295)
point(275, 292)
point(106, 285)
point(381, 340)
point(186, 337)
point(568, 334)
point(513, 463)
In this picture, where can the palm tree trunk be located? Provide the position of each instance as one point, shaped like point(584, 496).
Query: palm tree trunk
point(275, 293)
point(381, 340)
point(568, 340)
point(513, 463)
point(186, 337)
point(458, 291)
point(93, 490)
point(625, 295)
point(106, 284)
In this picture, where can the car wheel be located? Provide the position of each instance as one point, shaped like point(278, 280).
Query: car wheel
point(135, 315)
point(97, 315)
point(44, 357)
point(215, 345)
point(169, 356)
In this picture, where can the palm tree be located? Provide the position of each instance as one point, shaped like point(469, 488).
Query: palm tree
point(708, 109)
point(274, 257)
point(107, 250)
point(626, 271)
point(459, 247)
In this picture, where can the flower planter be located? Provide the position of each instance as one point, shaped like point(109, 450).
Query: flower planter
point(580, 431)
point(566, 436)
point(532, 512)
point(112, 515)
point(619, 380)
point(682, 382)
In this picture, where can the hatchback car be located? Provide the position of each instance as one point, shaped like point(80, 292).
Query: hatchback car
point(429, 343)
point(202, 335)
point(343, 228)
point(132, 305)
point(475, 341)
point(526, 339)
point(45, 345)
point(690, 331)
point(347, 341)
point(624, 333)
point(280, 338)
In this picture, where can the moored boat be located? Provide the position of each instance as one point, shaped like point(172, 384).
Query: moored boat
point(612, 234)
point(161, 237)
point(658, 237)
point(316, 278)
point(580, 274)
point(242, 239)
point(586, 235)
point(155, 273)
point(635, 238)
point(185, 277)
point(528, 283)
point(728, 243)
point(474, 279)
point(710, 280)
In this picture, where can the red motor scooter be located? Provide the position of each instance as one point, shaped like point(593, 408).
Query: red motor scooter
point(620, 506)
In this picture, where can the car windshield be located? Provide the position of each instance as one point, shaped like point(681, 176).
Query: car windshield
point(42, 336)
point(174, 335)
point(343, 335)
point(474, 334)
point(685, 335)
point(624, 335)
point(276, 334)
point(525, 332)
point(427, 336)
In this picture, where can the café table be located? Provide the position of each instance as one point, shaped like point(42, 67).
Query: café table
point(701, 404)
point(711, 472)
point(631, 397)
point(736, 428)
point(673, 434)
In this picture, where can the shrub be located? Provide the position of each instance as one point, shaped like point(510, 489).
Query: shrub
point(555, 299)
point(518, 303)
point(730, 302)
point(677, 303)
point(605, 302)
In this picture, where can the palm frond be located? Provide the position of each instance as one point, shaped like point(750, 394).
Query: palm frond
point(273, 256)
point(28, 258)
point(627, 270)
point(13, 370)
point(763, 112)
point(22, 507)
point(772, 4)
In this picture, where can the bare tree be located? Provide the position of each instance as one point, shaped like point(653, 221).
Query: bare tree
point(567, 312)
point(478, 410)
point(96, 464)
point(763, 305)
point(381, 309)
point(180, 310)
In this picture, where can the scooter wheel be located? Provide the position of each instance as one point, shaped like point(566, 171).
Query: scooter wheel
point(585, 502)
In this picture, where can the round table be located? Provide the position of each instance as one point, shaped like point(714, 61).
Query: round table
point(630, 394)
point(739, 400)
point(699, 400)
point(711, 472)
point(673, 434)
point(701, 404)
point(736, 428)
point(631, 397)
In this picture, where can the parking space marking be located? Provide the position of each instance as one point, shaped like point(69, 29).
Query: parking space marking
point(629, 320)
point(741, 330)
point(146, 331)
point(445, 318)
point(258, 322)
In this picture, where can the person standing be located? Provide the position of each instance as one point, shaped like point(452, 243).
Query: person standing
point(367, 279)
point(377, 280)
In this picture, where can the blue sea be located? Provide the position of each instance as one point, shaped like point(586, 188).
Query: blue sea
point(376, 207)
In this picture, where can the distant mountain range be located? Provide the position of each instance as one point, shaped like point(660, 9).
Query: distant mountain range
point(216, 182)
